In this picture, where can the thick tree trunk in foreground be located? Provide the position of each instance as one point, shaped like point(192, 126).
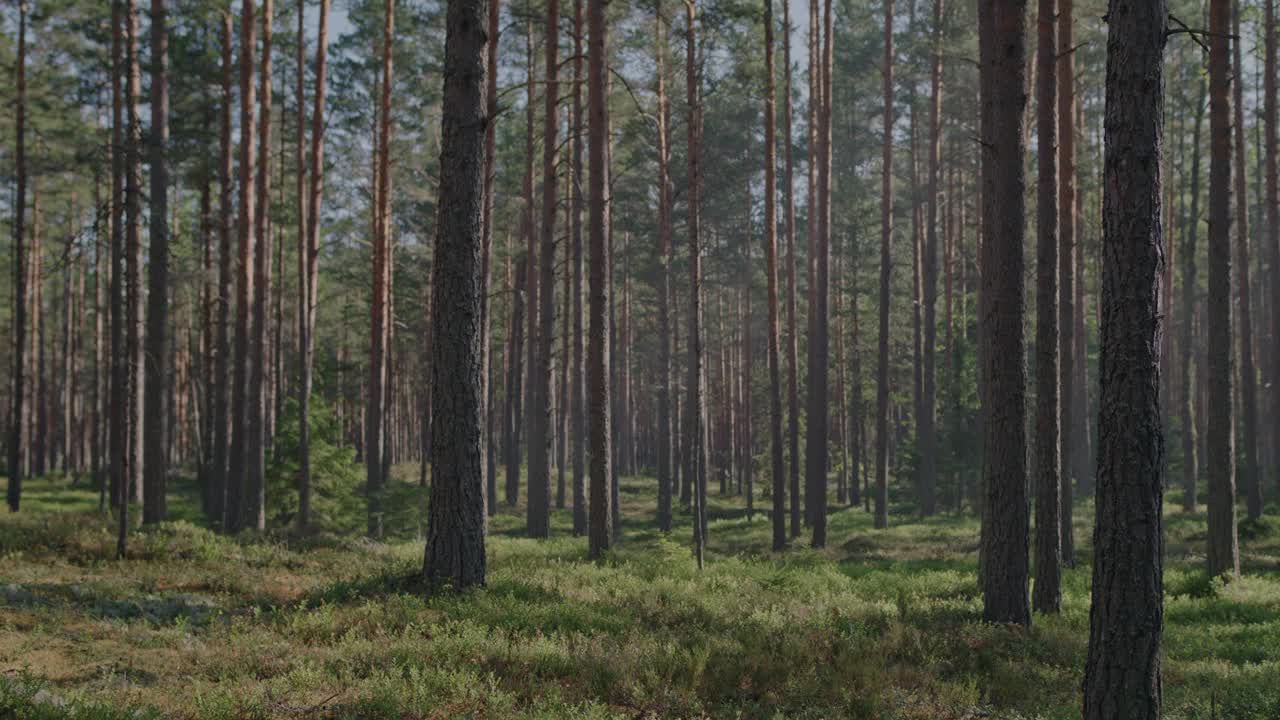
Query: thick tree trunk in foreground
point(1122, 675)
point(1005, 518)
point(156, 438)
point(1223, 551)
point(1047, 593)
point(600, 537)
point(456, 523)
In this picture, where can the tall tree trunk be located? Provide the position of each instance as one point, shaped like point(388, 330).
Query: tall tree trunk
point(1047, 593)
point(1005, 531)
point(1223, 551)
point(119, 419)
point(133, 253)
point(793, 401)
point(1066, 276)
point(886, 238)
point(927, 423)
point(601, 514)
point(694, 430)
point(1250, 478)
point(538, 510)
point(1191, 226)
point(236, 509)
point(819, 342)
point(259, 349)
point(779, 484)
point(156, 438)
point(304, 331)
point(490, 156)
point(1272, 203)
point(13, 492)
point(222, 356)
point(666, 455)
point(376, 440)
point(1122, 675)
point(577, 398)
point(455, 554)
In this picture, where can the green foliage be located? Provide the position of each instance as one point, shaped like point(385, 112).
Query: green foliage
point(337, 500)
point(883, 624)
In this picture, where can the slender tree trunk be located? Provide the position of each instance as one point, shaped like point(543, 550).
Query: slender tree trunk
point(793, 402)
point(927, 421)
point(1272, 203)
point(237, 512)
point(1122, 675)
point(1005, 532)
point(779, 484)
point(601, 514)
point(455, 555)
point(886, 238)
point(538, 510)
point(13, 492)
point(119, 419)
point(156, 437)
point(1250, 478)
point(1223, 551)
point(376, 440)
point(666, 455)
point(1047, 592)
point(1191, 226)
point(1065, 75)
point(133, 253)
point(577, 398)
point(222, 357)
point(304, 329)
point(259, 349)
point(819, 342)
point(695, 412)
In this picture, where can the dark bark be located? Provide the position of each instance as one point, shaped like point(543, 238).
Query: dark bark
point(820, 341)
point(156, 436)
point(577, 399)
point(538, 509)
point(1250, 479)
point(133, 254)
point(1223, 551)
point(1122, 675)
point(793, 403)
point(236, 510)
point(779, 485)
point(1272, 203)
point(600, 537)
point(259, 347)
point(1047, 592)
point(666, 455)
point(1191, 226)
point(1004, 566)
point(376, 430)
point(222, 357)
point(1066, 276)
point(455, 554)
point(927, 422)
point(13, 492)
point(886, 238)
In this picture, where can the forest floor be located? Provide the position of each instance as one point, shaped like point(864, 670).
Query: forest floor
point(881, 624)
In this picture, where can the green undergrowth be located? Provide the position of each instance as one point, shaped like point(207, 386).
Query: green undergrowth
point(880, 624)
